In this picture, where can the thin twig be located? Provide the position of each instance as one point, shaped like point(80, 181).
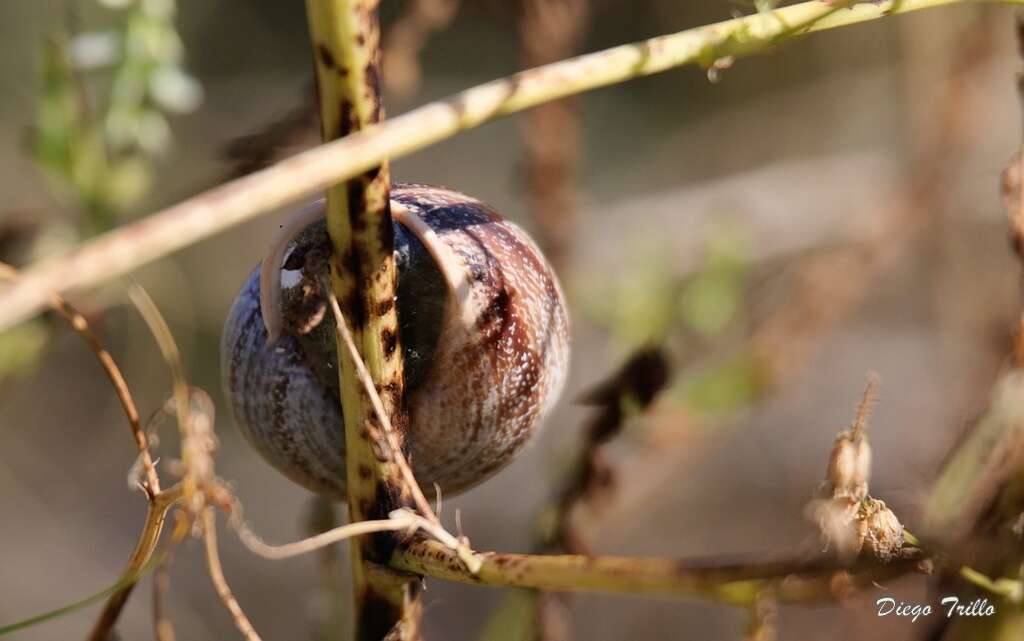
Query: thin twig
point(552, 30)
point(159, 501)
point(344, 335)
point(197, 440)
point(635, 384)
point(163, 629)
point(399, 520)
point(217, 576)
point(288, 550)
point(312, 171)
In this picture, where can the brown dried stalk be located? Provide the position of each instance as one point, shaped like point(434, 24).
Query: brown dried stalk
point(217, 576)
point(201, 489)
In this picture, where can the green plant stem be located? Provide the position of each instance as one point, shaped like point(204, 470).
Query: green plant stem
point(346, 42)
point(307, 173)
point(735, 584)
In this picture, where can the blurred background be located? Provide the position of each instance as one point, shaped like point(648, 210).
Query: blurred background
point(822, 211)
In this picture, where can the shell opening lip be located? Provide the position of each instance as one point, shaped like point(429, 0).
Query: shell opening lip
point(270, 266)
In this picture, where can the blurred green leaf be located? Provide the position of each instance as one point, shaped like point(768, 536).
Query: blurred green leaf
point(20, 348)
point(514, 619)
point(638, 304)
point(711, 298)
point(646, 302)
point(723, 387)
point(97, 145)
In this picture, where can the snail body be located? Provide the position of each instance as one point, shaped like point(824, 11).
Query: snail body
point(482, 324)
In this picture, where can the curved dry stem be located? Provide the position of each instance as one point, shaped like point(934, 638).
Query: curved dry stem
point(159, 501)
point(148, 539)
point(305, 174)
point(257, 546)
point(117, 380)
point(399, 520)
point(197, 444)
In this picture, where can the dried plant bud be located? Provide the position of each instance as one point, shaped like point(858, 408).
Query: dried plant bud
point(837, 521)
point(849, 466)
point(852, 528)
point(883, 532)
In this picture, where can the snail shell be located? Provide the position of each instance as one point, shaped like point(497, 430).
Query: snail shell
point(483, 328)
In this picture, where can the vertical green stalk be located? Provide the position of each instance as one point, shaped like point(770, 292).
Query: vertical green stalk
point(346, 44)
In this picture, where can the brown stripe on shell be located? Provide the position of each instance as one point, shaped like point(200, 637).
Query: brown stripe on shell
point(494, 375)
point(493, 381)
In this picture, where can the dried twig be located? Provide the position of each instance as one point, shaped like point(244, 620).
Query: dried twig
point(159, 501)
point(201, 489)
point(197, 440)
point(256, 545)
point(217, 576)
point(163, 628)
point(151, 486)
point(630, 388)
point(309, 172)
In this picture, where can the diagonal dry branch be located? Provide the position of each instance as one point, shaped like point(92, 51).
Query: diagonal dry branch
point(305, 174)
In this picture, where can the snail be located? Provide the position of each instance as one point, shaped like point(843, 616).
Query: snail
point(482, 324)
